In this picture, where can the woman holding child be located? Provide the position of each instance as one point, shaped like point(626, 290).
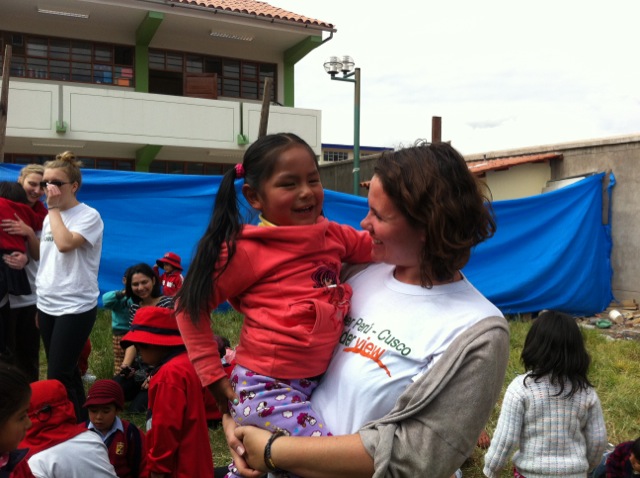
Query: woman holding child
point(24, 337)
point(422, 357)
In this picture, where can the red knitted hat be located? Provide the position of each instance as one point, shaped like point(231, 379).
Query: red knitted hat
point(105, 392)
point(154, 326)
point(171, 259)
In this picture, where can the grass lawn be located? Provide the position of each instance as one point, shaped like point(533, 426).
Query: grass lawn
point(615, 372)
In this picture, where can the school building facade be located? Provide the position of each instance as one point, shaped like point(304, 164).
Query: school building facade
point(171, 86)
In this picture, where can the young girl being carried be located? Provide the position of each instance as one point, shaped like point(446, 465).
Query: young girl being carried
point(551, 415)
point(283, 275)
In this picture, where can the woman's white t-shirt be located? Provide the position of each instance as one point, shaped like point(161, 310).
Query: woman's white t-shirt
point(393, 334)
point(67, 283)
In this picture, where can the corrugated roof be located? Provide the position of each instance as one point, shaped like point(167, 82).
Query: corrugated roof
point(481, 167)
point(259, 9)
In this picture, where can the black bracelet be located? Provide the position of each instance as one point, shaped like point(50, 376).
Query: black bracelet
point(267, 452)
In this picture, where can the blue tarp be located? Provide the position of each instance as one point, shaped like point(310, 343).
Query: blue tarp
point(550, 251)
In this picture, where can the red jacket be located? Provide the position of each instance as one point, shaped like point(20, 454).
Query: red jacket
point(8, 210)
point(178, 438)
point(286, 281)
point(171, 282)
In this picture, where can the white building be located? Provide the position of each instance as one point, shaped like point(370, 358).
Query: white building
point(152, 85)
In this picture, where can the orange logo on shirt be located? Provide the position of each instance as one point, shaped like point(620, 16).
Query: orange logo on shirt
point(369, 350)
point(120, 448)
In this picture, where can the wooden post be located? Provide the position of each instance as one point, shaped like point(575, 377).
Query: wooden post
point(436, 129)
point(4, 99)
point(264, 112)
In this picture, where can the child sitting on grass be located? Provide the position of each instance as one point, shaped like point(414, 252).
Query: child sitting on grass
point(551, 414)
point(119, 304)
point(177, 433)
point(121, 437)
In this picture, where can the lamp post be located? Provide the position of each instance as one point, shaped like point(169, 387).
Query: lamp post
point(345, 65)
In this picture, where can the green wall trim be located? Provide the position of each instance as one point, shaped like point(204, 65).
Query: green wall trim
point(148, 27)
point(145, 155)
point(144, 34)
point(292, 56)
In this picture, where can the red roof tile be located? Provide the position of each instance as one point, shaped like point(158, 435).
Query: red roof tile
point(254, 7)
point(481, 167)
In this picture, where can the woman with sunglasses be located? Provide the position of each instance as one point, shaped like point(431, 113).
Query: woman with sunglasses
point(67, 280)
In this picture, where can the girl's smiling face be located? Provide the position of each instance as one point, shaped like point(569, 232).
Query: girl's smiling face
point(293, 195)
point(13, 431)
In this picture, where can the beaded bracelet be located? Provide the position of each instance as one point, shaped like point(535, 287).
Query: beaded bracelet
point(268, 460)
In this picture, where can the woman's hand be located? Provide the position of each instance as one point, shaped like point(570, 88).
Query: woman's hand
point(236, 449)
point(16, 227)
point(16, 260)
point(253, 440)
point(483, 440)
point(223, 393)
point(53, 195)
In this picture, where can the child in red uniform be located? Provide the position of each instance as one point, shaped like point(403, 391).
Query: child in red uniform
point(171, 279)
point(177, 433)
point(123, 439)
point(14, 422)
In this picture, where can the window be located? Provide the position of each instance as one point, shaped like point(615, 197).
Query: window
point(236, 78)
point(336, 156)
point(69, 60)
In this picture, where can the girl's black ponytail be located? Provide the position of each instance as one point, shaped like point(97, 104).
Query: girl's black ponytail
point(224, 226)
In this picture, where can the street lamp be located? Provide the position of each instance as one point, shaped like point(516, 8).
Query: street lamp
point(345, 65)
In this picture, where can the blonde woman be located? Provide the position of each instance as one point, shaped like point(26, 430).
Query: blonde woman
point(67, 280)
point(23, 337)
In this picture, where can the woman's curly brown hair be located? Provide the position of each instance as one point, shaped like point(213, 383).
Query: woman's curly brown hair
point(433, 188)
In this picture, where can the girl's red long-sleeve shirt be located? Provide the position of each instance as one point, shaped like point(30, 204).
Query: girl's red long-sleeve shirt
point(286, 282)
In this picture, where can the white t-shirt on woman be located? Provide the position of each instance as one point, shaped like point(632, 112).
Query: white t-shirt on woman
point(67, 283)
point(394, 333)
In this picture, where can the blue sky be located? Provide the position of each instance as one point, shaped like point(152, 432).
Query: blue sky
point(501, 74)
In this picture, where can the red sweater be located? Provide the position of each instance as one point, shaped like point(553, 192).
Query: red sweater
point(8, 210)
point(178, 440)
point(286, 281)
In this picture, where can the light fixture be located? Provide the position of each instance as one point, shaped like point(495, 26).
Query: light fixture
point(346, 66)
point(229, 36)
point(333, 66)
point(63, 13)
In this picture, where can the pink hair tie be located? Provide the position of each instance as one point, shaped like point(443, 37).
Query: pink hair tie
point(239, 170)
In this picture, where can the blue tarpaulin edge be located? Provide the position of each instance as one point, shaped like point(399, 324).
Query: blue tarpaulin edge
point(551, 251)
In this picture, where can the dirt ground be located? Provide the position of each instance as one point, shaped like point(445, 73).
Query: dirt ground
point(625, 325)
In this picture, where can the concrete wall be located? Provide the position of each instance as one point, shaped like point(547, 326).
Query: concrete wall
point(624, 161)
point(519, 181)
point(338, 176)
point(622, 156)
